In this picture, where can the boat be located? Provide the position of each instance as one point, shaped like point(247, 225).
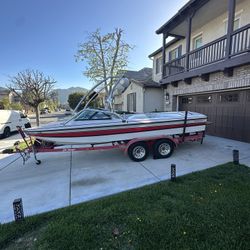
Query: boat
point(96, 126)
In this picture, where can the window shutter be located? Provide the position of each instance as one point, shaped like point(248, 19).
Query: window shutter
point(157, 66)
point(169, 56)
point(134, 102)
point(179, 51)
point(160, 64)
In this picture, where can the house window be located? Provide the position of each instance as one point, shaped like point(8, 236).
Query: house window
point(204, 99)
point(22, 115)
point(229, 97)
point(197, 42)
point(158, 65)
point(186, 100)
point(175, 53)
point(236, 23)
point(131, 102)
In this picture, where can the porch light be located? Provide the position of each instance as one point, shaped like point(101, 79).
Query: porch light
point(167, 98)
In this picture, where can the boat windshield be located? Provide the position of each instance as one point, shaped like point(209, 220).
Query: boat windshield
point(157, 116)
point(95, 115)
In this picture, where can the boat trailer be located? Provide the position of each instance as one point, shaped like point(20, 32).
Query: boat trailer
point(137, 149)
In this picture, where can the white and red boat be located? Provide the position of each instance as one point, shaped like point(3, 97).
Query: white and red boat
point(98, 129)
point(92, 126)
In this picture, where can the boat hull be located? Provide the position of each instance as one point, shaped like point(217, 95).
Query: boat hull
point(117, 132)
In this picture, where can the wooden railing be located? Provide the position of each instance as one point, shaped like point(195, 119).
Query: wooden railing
point(240, 41)
point(210, 53)
point(176, 66)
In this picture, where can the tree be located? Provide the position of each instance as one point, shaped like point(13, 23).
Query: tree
point(74, 99)
point(16, 106)
point(105, 56)
point(33, 88)
point(5, 103)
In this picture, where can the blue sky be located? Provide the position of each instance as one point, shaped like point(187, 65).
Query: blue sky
point(44, 34)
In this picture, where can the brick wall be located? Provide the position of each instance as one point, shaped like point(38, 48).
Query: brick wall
point(218, 81)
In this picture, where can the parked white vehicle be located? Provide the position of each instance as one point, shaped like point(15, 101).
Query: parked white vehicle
point(9, 119)
point(68, 112)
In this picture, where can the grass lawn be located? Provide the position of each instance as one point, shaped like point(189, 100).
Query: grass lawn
point(22, 146)
point(204, 210)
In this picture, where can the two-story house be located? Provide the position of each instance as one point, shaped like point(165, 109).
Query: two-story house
point(206, 65)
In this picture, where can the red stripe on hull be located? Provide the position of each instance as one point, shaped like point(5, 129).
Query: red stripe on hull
point(114, 131)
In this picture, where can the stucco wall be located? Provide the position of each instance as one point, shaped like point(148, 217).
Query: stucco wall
point(153, 99)
point(134, 88)
point(217, 82)
point(118, 99)
point(147, 99)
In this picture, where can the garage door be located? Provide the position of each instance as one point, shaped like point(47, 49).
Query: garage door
point(229, 112)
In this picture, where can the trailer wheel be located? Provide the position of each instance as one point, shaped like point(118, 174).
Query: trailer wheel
point(27, 125)
point(163, 148)
point(138, 151)
point(6, 132)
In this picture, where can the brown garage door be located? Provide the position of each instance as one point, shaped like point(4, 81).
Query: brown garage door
point(229, 112)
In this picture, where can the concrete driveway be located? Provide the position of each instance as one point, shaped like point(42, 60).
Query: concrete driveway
point(69, 178)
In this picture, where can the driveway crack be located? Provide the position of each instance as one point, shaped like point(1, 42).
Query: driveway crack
point(1, 169)
point(149, 171)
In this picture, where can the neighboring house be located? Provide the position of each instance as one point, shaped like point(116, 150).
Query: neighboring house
point(206, 66)
point(5, 93)
point(141, 94)
point(11, 96)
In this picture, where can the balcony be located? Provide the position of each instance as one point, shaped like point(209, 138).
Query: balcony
point(210, 57)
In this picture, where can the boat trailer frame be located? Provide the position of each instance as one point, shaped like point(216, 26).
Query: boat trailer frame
point(122, 145)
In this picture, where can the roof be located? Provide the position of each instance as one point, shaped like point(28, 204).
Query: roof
point(180, 15)
point(149, 83)
point(138, 75)
point(167, 45)
point(142, 77)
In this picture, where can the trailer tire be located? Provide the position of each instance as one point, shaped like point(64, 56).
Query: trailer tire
point(27, 125)
point(138, 151)
point(163, 148)
point(6, 132)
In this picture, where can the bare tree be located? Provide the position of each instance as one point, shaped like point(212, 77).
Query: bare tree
point(33, 88)
point(105, 56)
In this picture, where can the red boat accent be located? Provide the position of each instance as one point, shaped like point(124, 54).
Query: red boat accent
point(114, 131)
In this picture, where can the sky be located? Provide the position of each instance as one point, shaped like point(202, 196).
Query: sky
point(44, 34)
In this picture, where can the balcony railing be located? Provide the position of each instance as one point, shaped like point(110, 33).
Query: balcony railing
point(241, 40)
point(210, 53)
point(176, 66)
